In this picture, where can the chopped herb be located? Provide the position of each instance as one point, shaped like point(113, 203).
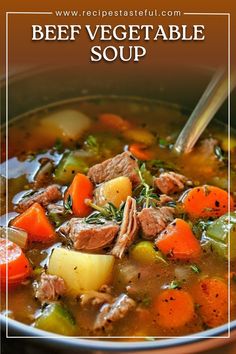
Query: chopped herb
point(28, 194)
point(146, 196)
point(56, 218)
point(58, 145)
point(92, 143)
point(195, 268)
point(68, 204)
point(163, 142)
point(143, 299)
point(95, 218)
point(108, 212)
point(200, 227)
point(146, 302)
point(175, 284)
point(156, 165)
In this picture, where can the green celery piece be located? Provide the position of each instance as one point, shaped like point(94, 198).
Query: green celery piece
point(55, 318)
point(70, 164)
point(144, 252)
point(218, 234)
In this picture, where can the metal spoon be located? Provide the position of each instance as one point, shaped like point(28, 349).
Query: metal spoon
point(211, 100)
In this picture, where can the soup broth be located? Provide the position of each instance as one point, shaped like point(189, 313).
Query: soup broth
point(178, 256)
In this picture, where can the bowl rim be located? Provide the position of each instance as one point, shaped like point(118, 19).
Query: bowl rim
point(223, 332)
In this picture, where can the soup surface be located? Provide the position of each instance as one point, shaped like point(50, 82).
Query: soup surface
point(110, 233)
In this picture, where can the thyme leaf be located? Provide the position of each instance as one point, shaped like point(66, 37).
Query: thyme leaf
point(68, 204)
point(175, 284)
point(146, 196)
point(58, 146)
point(195, 268)
point(108, 212)
point(92, 143)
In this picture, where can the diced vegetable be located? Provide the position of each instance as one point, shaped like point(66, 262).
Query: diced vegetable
point(12, 257)
point(18, 236)
point(57, 319)
point(140, 151)
point(70, 164)
point(174, 308)
point(144, 252)
point(140, 135)
point(219, 232)
point(114, 122)
point(103, 144)
point(114, 191)
point(178, 241)
point(212, 297)
point(35, 222)
point(81, 271)
point(80, 189)
point(65, 125)
point(207, 201)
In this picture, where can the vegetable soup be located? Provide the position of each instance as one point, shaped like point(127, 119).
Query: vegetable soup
point(107, 232)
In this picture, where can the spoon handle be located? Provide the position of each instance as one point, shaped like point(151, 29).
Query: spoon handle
point(211, 100)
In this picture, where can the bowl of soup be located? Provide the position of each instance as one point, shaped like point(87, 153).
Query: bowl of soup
point(109, 239)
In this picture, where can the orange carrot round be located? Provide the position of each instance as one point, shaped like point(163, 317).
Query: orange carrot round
point(114, 122)
point(212, 297)
point(12, 257)
point(140, 151)
point(207, 201)
point(35, 222)
point(80, 189)
point(178, 241)
point(174, 308)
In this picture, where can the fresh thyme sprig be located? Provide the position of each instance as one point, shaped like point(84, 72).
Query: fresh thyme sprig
point(108, 212)
point(146, 196)
point(68, 204)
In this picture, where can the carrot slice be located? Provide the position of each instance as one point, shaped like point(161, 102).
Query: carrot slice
point(207, 201)
point(12, 257)
point(178, 241)
point(80, 189)
point(36, 223)
point(140, 151)
point(212, 297)
point(174, 308)
point(114, 122)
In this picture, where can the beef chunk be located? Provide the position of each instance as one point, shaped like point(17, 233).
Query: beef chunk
point(171, 182)
point(43, 196)
point(154, 220)
point(113, 312)
point(120, 165)
point(128, 230)
point(50, 288)
point(90, 237)
point(56, 209)
point(164, 199)
point(94, 298)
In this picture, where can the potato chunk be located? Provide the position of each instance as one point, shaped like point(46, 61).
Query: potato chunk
point(66, 124)
point(81, 271)
point(114, 191)
point(140, 135)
